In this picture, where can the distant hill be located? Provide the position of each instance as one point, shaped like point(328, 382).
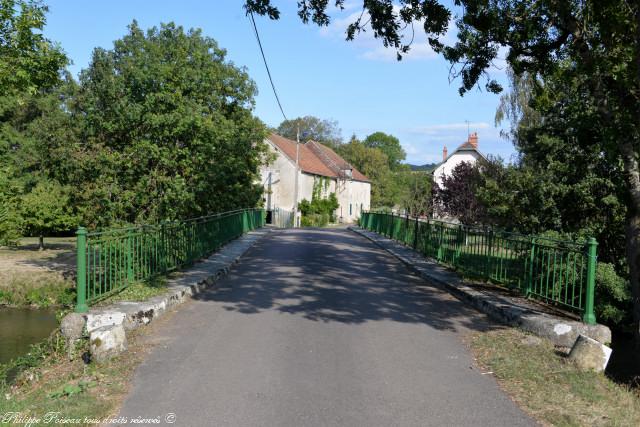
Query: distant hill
point(426, 168)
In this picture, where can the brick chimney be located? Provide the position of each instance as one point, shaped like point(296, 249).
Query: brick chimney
point(473, 140)
point(444, 153)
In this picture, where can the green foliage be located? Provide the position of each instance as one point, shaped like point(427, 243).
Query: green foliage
point(30, 62)
point(159, 127)
point(321, 209)
point(389, 145)
point(312, 128)
point(375, 165)
point(46, 209)
point(613, 296)
point(9, 222)
point(71, 389)
point(171, 119)
point(416, 192)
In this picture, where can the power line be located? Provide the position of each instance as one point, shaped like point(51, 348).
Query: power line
point(255, 30)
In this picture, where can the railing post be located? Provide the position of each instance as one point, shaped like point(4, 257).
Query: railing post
point(81, 270)
point(489, 252)
point(440, 236)
point(589, 316)
point(529, 282)
point(459, 243)
point(415, 235)
point(130, 274)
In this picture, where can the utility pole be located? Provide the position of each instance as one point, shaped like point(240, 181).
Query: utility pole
point(295, 197)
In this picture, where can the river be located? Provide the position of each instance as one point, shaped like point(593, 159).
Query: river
point(21, 327)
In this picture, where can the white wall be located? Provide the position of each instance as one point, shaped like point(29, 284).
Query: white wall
point(282, 181)
point(453, 161)
point(353, 198)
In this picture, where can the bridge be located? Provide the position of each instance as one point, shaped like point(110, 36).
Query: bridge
point(320, 327)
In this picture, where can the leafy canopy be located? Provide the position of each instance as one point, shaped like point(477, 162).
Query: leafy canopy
point(389, 145)
point(310, 127)
point(30, 61)
point(171, 121)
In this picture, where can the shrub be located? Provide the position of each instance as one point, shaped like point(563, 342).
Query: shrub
point(613, 296)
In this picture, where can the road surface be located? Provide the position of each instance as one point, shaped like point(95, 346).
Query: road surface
point(320, 328)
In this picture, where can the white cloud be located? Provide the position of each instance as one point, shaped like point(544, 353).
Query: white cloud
point(432, 130)
point(372, 49)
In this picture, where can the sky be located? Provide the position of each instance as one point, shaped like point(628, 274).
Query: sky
point(316, 72)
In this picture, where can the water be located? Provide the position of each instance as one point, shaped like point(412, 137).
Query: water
point(21, 327)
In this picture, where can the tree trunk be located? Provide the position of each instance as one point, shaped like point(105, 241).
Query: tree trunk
point(41, 243)
point(630, 158)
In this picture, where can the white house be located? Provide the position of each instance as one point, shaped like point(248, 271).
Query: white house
point(317, 163)
point(467, 152)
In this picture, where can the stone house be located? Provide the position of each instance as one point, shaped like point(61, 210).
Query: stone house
point(317, 165)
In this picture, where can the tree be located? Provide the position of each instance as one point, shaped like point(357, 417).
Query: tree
point(46, 209)
point(416, 193)
point(592, 46)
point(457, 196)
point(375, 165)
point(515, 105)
point(389, 145)
point(30, 61)
point(169, 123)
point(310, 127)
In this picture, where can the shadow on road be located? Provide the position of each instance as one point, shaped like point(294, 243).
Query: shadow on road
point(333, 275)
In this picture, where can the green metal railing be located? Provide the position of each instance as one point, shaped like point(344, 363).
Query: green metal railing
point(557, 272)
point(109, 261)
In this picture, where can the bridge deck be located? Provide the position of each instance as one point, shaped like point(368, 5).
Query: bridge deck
point(320, 327)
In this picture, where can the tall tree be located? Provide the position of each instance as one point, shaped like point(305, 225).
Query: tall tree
point(310, 127)
point(389, 145)
point(374, 164)
point(171, 122)
point(416, 192)
point(30, 61)
point(457, 197)
point(46, 209)
point(30, 69)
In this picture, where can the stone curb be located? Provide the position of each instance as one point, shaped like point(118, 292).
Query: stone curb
point(562, 332)
point(131, 315)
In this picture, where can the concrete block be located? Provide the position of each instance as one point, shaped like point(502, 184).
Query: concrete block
point(103, 319)
point(107, 342)
point(589, 354)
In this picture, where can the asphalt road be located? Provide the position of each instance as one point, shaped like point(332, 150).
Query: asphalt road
point(320, 328)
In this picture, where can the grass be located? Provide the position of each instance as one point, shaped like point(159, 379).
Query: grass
point(35, 289)
point(549, 387)
point(139, 291)
point(29, 277)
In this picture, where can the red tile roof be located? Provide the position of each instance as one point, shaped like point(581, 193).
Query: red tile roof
point(315, 158)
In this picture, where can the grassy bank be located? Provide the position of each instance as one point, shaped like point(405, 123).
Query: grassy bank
point(73, 388)
point(550, 388)
point(29, 277)
point(35, 289)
